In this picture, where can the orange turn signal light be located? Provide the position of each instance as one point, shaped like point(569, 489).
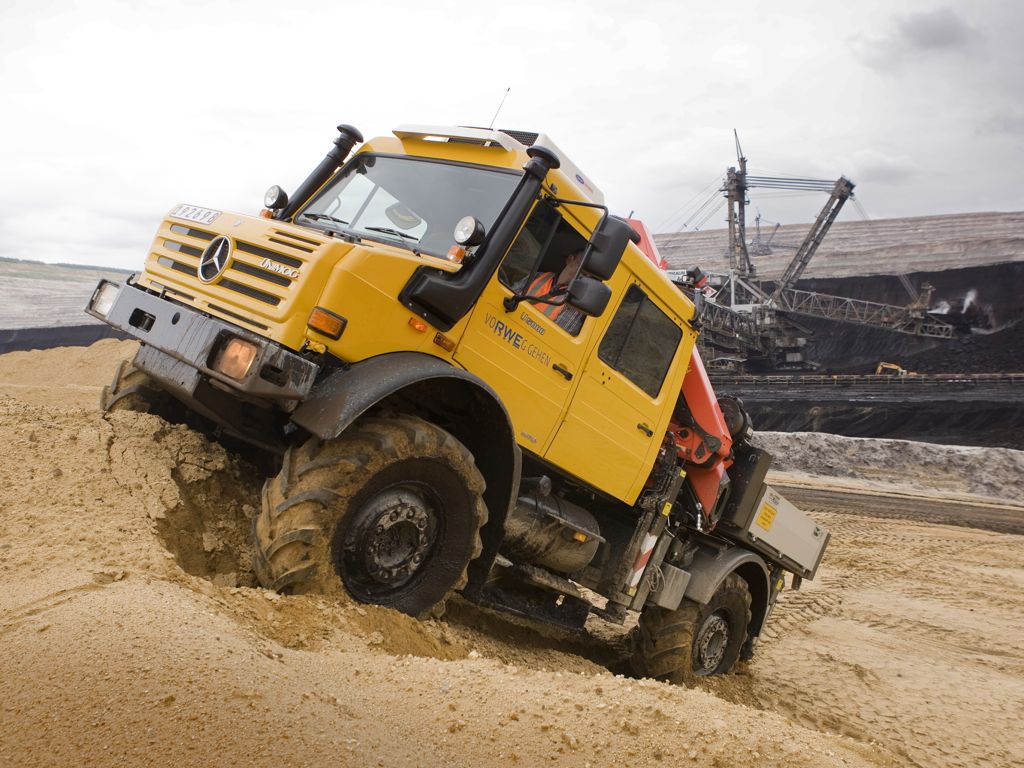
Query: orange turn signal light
point(456, 253)
point(444, 342)
point(266, 213)
point(417, 324)
point(326, 322)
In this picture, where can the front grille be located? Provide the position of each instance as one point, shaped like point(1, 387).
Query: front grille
point(254, 293)
point(262, 274)
point(265, 274)
point(263, 253)
point(163, 261)
point(293, 241)
point(174, 245)
point(178, 229)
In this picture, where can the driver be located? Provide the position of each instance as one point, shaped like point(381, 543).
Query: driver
point(551, 284)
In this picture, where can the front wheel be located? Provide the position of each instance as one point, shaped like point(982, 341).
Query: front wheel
point(694, 640)
point(132, 390)
point(391, 510)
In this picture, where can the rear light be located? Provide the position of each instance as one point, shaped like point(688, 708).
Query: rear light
point(326, 322)
point(105, 298)
point(235, 358)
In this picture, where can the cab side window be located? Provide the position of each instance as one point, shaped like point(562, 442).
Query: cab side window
point(523, 254)
point(641, 341)
point(546, 247)
point(545, 242)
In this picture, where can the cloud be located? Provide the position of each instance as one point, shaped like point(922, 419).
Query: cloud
point(643, 97)
point(941, 29)
point(937, 32)
point(1008, 121)
point(871, 165)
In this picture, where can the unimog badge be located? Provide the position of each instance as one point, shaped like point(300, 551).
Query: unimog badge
point(281, 269)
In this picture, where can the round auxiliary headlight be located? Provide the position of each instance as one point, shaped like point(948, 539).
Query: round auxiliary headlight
point(275, 198)
point(469, 231)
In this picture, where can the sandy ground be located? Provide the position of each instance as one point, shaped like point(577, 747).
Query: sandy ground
point(132, 634)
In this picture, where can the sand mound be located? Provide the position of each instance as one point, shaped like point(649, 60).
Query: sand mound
point(994, 473)
point(133, 634)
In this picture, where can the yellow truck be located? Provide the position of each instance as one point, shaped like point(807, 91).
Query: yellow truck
point(471, 378)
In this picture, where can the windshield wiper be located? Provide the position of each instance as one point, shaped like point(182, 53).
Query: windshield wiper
point(395, 232)
point(323, 217)
point(344, 234)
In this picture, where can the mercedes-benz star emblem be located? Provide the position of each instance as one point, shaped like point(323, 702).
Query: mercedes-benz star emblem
point(215, 259)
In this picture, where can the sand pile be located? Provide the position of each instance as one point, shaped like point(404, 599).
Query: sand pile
point(901, 465)
point(132, 633)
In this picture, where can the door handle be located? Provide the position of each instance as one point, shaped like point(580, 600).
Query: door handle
point(562, 370)
point(645, 429)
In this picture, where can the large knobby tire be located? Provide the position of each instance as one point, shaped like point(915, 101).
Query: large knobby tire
point(391, 510)
point(694, 640)
point(132, 390)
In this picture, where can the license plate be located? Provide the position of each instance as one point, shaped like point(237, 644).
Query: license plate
point(195, 213)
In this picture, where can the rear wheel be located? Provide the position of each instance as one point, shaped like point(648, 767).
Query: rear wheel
point(391, 510)
point(694, 640)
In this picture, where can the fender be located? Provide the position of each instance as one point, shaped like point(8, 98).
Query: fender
point(455, 399)
point(709, 569)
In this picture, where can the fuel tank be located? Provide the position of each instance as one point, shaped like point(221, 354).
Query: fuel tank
point(549, 531)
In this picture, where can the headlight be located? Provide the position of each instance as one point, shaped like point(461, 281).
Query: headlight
point(469, 231)
point(235, 358)
point(275, 198)
point(105, 298)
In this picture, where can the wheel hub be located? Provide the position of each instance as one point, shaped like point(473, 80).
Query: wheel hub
point(712, 641)
point(394, 536)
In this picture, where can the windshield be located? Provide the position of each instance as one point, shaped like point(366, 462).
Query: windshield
point(410, 202)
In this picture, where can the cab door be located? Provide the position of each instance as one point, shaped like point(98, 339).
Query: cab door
point(530, 361)
point(618, 415)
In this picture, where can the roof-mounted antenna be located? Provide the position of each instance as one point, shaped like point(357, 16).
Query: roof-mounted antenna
point(502, 104)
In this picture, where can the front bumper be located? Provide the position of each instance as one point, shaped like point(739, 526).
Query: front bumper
point(181, 346)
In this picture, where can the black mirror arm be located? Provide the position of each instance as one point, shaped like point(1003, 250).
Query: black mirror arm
point(698, 310)
point(605, 213)
point(561, 296)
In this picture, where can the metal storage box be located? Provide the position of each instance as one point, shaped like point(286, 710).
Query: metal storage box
point(783, 533)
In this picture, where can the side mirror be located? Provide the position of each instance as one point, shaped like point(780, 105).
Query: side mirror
point(607, 245)
point(588, 295)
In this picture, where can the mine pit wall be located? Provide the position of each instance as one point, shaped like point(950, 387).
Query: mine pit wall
point(989, 420)
point(992, 295)
point(958, 417)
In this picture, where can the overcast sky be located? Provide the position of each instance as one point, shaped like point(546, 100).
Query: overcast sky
point(115, 111)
